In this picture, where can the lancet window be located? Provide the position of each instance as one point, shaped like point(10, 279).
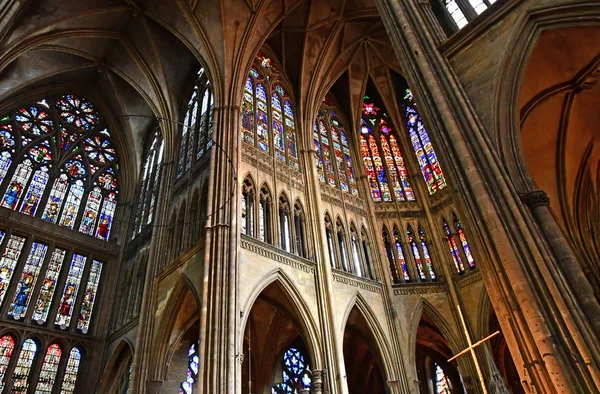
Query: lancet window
point(58, 162)
point(300, 229)
point(419, 137)
point(330, 242)
point(187, 386)
point(248, 199)
point(354, 240)
point(366, 246)
point(197, 128)
point(341, 239)
point(458, 13)
point(49, 369)
point(463, 240)
point(264, 215)
point(384, 164)
point(150, 183)
point(71, 371)
point(296, 373)
point(285, 235)
point(268, 120)
point(332, 150)
point(34, 278)
point(441, 381)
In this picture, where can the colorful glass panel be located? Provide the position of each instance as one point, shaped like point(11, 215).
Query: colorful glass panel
point(296, 374)
point(391, 166)
point(89, 297)
point(33, 120)
point(70, 377)
point(326, 154)
point(71, 208)
point(77, 111)
point(35, 191)
point(248, 112)
point(20, 375)
point(44, 300)
point(453, 249)
point(8, 262)
point(401, 259)
point(463, 241)
point(426, 255)
point(381, 178)
point(416, 255)
point(67, 302)
point(17, 184)
point(55, 200)
point(318, 153)
point(186, 387)
point(369, 169)
point(90, 213)
point(441, 381)
point(106, 216)
point(7, 347)
point(339, 159)
point(31, 270)
point(49, 370)
point(262, 131)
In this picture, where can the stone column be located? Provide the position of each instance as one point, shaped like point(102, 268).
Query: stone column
point(317, 381)
point(538, 202)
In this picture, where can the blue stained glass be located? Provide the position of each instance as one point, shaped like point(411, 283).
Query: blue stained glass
point(262, 131)
point(248, 86)
point(295, 373)
point(7, 140)
point(186, 386)
point(280, 89)
point(260, 92)
point(275, 102)
point(35, 192)
point(287, 108)
point(254, 73)
point(72, 205)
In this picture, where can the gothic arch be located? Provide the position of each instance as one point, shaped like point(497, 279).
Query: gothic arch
point(382, 346)
point(115, 365)
point(303, 316)
point(180, 313)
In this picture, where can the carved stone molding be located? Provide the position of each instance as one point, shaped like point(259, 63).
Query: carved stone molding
point(469, 279)
point(278, 255)
point(420, 288)
point(337, 197)
point(349, 279)
point(535, 198)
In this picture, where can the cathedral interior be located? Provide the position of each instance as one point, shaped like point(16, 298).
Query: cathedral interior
point(299, 196)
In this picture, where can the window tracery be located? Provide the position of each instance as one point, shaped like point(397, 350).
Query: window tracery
point(299, 227)
point(296, 373)
point(150, 183)
point(390, 180)
point(331, 149)
point(248, 198)
point(463, 240)
point(453, 249)
point(341, 238)
point(268, 120)
point(60, 141)
point(197, 129)
point(264, 215)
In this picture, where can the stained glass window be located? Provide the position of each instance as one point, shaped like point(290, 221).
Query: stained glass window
point(426, 255)
point(248, 194)
point(70, 377)
point(69, 295)
point(49, 369)
point(332, 150)
point(42, 305)
point(296, 373)
point(64, 143)
point(330, 247)
point(20, 375)
point(90, 213)
point(9, 259)
point(7, 347)
point(192, 371)
point(196, 130)
point(400, 255)
point(463, 241)
point(387, 174)
point(264, 215)
point(26, 284)
point(430, 167)
point(453, 249)
point(267, 114)
point(149, 188)
point(285, 232)
point(441, 381)
point(355, 253)
point(89, 297)
point(416, 255)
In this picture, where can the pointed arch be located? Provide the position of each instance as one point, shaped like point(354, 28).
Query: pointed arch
point(121, 356)
point(358, 304)
point(184, 301)
point(305, 320)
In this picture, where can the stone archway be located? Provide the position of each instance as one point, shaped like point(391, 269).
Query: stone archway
point(273, 327)
point(364, 370)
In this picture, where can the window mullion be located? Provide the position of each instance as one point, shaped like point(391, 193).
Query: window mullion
point(17, 271)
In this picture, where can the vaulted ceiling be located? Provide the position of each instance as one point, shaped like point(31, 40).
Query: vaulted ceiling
point(559, 100)
point(139, 57)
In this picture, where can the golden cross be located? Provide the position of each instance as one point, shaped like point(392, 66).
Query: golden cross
point(471, 349)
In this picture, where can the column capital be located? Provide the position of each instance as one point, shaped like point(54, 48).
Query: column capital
point(535, 198)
